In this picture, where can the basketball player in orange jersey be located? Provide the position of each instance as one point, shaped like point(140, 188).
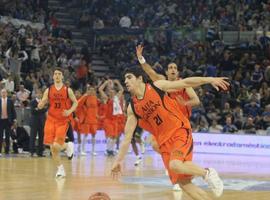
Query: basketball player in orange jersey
point(187, 98)
point(57, 121)
point(163, 117)
point(90, 124)
point(113, 110)
point(102, 106)
point(121, 118)
point(79, 118)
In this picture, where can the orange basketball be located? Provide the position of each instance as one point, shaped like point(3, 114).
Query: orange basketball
point(99, 196)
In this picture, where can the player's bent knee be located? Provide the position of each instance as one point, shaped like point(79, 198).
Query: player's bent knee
point(176, 166)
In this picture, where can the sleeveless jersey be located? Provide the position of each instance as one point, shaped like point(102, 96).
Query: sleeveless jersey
point(159, 113)
point(91, 105)
point(109, 110)
point(58, 102)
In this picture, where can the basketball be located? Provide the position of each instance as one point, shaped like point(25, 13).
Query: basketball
point(99, 196)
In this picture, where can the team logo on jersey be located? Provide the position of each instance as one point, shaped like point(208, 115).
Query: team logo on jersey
point(149, 108)
point(177, 154)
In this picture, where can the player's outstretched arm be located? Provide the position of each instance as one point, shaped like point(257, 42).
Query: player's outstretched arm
point(154, 76)
point(219, 82)
point(129, 129)
point(101, 90)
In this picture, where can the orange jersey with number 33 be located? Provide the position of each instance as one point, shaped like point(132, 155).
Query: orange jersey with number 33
point(58, 102)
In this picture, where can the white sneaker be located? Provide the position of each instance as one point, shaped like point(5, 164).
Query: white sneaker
point(176, 187)
point(83, 153)
point(70, 150)
point(138, 161)
point(60, 172)
point(214, 182)
point(94, 153)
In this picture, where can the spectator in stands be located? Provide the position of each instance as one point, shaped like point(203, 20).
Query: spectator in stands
point(9, 84)
point(125, 22)
point(225, 112)
point(215, 127)
point(84, 20)
point(98, 24)
point(15, 58)
point(265, 98)
point(257, 76)
point(246, 82)
point(238, 116)
point(23, 94)
point(227, 66)
point(252, 109)
point(202, 127)
point(249, 126)
point(229, 127)
point(266, 117)
point(242, 97)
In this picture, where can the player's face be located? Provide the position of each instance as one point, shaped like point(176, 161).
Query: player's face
point(131, 82)
point(77, 94)
point(57, 76)
point(172, 72)
point(91, 91)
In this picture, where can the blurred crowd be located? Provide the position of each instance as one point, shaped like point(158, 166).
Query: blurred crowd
point(222, 14)
point(28, 55)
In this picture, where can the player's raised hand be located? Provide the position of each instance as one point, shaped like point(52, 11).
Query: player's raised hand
point(220, 83)
point(139, 50)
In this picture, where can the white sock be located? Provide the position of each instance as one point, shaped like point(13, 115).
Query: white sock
point(84, 140)
point(113, 142)
point(93, 144)
point(79, 147)
point(110, 144)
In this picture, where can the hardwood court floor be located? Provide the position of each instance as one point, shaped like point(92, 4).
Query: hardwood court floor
point(26, 178)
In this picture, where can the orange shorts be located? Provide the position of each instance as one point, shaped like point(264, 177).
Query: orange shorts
point(111, 128)
point(121, 124)
point(55, 131)
point(77, 126)
point(178, 147)
point(88, 128)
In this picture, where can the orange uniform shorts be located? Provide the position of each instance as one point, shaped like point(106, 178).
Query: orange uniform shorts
point(111, 127)
point(55, 131)
point(88, 128)
point(178, 147)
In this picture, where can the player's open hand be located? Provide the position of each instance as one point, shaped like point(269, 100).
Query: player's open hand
point(220, 83)
point(116, 170)
point(139, 50)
